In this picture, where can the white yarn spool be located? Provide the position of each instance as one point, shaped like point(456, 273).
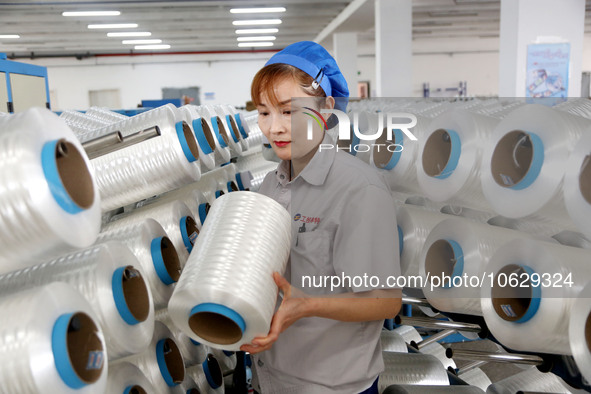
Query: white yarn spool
point(151, 167)
point(161, 362)
point(223, 153)
point(226, 359)
point(524, 164)
point(529, 318)
point(234, 121)
point(529, 380)
point(204, 134)
point(579, 331)
point(392, 342)
point(176, 219)
point(193, 352)
point(193, 198)
point(414, 226)
point(409, 334)
point(107, 276)
point(449, 158)
point(577, 185)
point(189, 386)
point(576, 106)
point(80, 123)
point(475, 377)
point(208, 376)
point(155, 252)
point(105, 115)
point(400, 167)
point(412, 368)
point(126, 378)
point(52, 342)
point(437, 350)
point(409, 389)
point(456, 247)
point(49, 201)
point(226, 295)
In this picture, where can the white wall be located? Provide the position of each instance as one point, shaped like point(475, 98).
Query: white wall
point(142, 77)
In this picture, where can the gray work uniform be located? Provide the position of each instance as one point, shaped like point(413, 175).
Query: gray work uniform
point(349, 227)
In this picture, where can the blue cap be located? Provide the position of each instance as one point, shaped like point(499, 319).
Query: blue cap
point(315, 61)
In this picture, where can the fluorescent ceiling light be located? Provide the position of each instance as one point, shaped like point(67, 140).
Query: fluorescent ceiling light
point(114, 26)
point(9, 36)
point(163, 46)
point(257, 31)
point(135, 42)
point(255, 44)
point(91, 13)
point(256, 10)
point(130, 34)
point(256, 38)
point(257, 22)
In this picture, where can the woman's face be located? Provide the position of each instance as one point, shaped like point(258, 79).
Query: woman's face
point(286, 124)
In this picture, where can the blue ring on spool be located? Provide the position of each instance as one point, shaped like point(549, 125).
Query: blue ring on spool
point(240, 127)
point(398, 136)
point(56, 186)
point(239, 181)
point(162, 364)
point(535, 300)
point(220, 310)
point(536, 163)
point(454, 155)
point(185, 235)
point(158, 261)
point(218, 193)
point(200, 135)
point(216, 130)
point(120, 303)
point(194, 342)
point(208, 376)
point(459, 265)
point(202, 213)
point(229, 186)
point(229, 122)
point(228, 353)
point(59, 347)
point(184, 144)
point(400, 240)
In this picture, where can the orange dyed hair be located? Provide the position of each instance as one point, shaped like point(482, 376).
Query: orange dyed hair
point(265, 79)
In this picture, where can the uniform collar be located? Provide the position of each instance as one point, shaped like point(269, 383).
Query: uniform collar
point(316, 171)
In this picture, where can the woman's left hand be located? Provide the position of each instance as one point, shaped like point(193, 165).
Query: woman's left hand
point(293, 307)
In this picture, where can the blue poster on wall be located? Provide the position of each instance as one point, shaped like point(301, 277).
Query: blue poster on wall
point(547, 70)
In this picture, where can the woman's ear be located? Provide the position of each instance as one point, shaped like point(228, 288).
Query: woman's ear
point(329, 103)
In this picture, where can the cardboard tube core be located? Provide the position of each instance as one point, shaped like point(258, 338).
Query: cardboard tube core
point(193, 391)
point(191, 140)
point(511, 303)
point(234, 127)
point(440, 259)
point(381, 155)
point(174, 361)
point(215, 328)
point(191, 227)
point(234, 187)
point(137, 390)
point(585, 179)
point(208, 134)
point(588, 332)
point(83, 342)
point(512, 158)
point(170, 259)
point(74, 174)
point(135, 293)
point(222, 130)
point(437, 152)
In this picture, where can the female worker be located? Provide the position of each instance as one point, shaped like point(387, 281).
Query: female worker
point(324, 337)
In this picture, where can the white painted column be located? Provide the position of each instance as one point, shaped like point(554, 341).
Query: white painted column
point(525, 22)
point(393, 25)
point(345, 51)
